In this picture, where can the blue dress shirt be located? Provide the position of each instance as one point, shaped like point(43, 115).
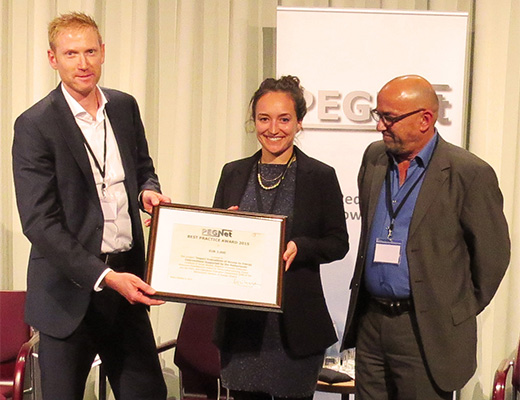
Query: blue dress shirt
point(392, 281)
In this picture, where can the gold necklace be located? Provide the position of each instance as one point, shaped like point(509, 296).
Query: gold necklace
point(278, 179)
point(274, 179)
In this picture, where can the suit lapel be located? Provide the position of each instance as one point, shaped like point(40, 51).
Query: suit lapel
point(304, 191)
point(72, 135)
point(378, 176)
point(435, 176)
point(240, 179)
point(240, 182)
point(118, 127)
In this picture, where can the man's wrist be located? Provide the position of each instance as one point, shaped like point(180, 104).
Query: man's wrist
point(100, 283)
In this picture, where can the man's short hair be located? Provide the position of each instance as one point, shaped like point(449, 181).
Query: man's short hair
point(70, 20)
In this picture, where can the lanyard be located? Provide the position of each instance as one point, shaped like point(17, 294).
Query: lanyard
point(102, 171)
point(393, 213)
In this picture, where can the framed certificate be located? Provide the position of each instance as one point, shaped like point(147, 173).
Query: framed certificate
point(218, 257)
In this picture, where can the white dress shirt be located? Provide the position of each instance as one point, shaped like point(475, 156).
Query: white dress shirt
point(117, 231)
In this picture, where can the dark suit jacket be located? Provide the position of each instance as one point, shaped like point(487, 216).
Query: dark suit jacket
point(458, 251)
point(320, 233)
point(60, 209)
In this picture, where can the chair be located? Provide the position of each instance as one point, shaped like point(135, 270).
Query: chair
point(499, 382)
point(196, 356)
point(102, 386)
point(16, 344)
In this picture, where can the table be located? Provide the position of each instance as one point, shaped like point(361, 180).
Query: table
point(344, 388)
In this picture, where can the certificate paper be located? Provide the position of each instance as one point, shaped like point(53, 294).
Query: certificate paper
point(219, 257)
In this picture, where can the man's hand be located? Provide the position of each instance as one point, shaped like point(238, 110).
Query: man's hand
point(289, 254)
point(149, 198)
point(131, 287)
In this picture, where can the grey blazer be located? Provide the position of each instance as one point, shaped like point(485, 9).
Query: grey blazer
point(458, 251)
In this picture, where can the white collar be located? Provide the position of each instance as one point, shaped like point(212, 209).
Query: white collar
point(78, 111)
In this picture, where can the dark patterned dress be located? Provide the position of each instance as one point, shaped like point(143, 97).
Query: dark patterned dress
point(269, 368)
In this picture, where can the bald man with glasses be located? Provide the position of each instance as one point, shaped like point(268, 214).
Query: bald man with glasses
point(434, 247)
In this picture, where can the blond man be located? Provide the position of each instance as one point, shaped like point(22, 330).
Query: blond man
point(82, 172)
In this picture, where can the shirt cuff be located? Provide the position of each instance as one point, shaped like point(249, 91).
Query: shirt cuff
point(140, 201)
point(97, 286)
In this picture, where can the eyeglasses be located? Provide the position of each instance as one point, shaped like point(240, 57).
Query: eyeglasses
point(389, 120)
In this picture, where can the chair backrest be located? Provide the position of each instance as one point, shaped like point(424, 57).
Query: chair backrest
point(500, 379)
point(13, 330)
point(515, 380)
point(196, 356)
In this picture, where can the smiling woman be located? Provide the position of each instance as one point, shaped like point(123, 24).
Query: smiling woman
point(269, 354)
point(276, 126)
point(278, 108)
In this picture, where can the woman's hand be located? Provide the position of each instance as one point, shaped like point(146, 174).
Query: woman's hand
point(289, 254)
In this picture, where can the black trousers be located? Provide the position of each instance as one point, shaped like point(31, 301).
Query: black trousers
point(122, 335)
point(389, 359)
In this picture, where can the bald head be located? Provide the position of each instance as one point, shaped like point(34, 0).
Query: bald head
point(412, 98)
point(413, 91)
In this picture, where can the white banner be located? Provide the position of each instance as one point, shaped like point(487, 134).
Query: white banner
point(343, 57)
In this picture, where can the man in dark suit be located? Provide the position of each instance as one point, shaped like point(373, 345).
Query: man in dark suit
point(81, 172)
point(434, 247)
